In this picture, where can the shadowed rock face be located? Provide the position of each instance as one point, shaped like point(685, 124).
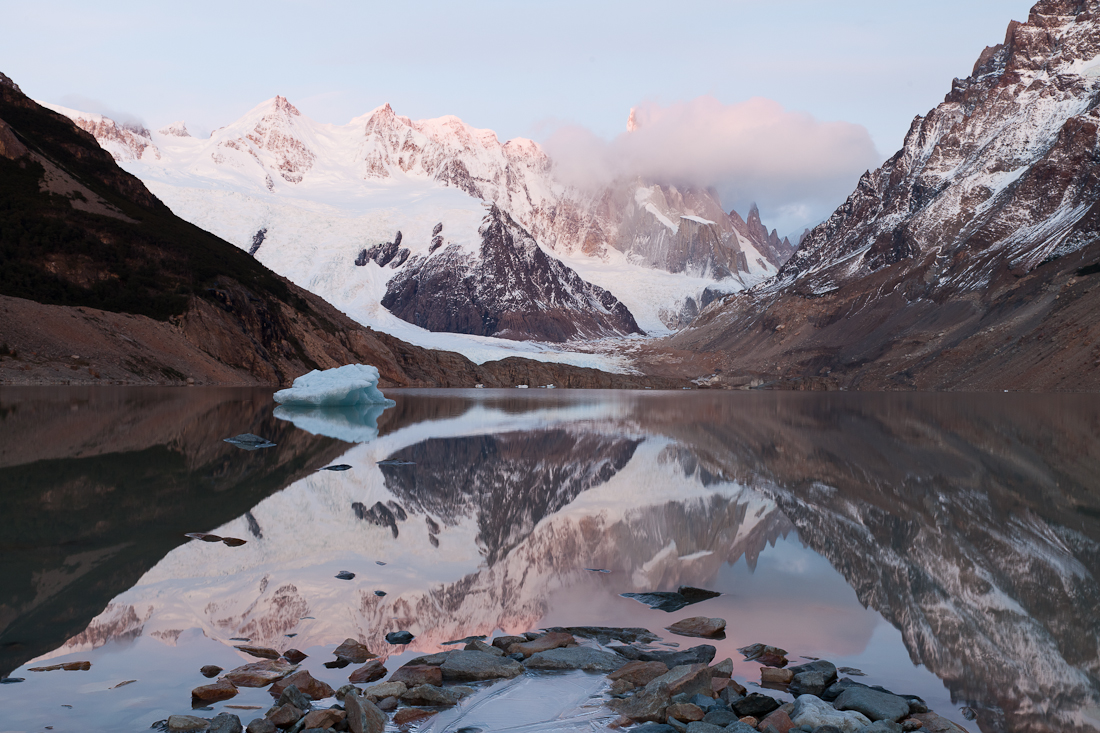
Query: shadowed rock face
point(511, 289)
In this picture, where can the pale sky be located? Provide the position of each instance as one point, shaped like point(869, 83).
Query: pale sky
point(523, 69)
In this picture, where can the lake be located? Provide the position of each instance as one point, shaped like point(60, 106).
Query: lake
point(941, 545)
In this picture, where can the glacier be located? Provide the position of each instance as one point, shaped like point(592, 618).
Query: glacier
point(349, 385)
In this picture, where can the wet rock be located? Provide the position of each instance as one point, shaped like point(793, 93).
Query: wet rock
point(872, 703)
point(468, 666)
point(813, 678)
point(552, 640)
point(436, 659)
point(345, 575)
point(577, 657)
point(187, 723)
point(773, 676)
point(262, 652)
point(606, 634)
point(769, 656)
point(225, 723)
point(723, 669)
point(477, 645)
point(649, 705)
point(260, 674)
point(685, 712)
point(369, 672)
point(305, 682)
point(353, 651)
point(399, 637)
point(639, 673)
point(414, 675)
point(670, 602)
point(210, 670)
point(220, 690)
point(375, 693)
point(702, 654)
point(323, 718)
point(832, 692)
point(700, 626)
point(294, 656)
point(721, 718)
point(338, 663)
point(248, 441)
point(916, 704)
point(412, 715)
point(777, 719)
point(261, 725)
point(756, 705)
point(814, 712)
point(431, 695)
point(388, 704)
point(363, 716)
point(687, 679)
point(284, 716)
point(503, 642)
point(295, 697)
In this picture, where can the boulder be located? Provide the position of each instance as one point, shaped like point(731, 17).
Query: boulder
point(577, 657)
point(687, 679)
point(353, 651)
point(329, 718)
point(777, 719)
point(432, 695)
point(470, 666)
point(813, 678)
point(701, 626)
point(220, 690)
point(756, 705)
point(702, 654)
point(814, 712)
point(684, 711)
point(553, 640)
point(407, 716)
point(414, 675)
point(259, 651)
point(721, 718)
point(210, 670)
point(187, 723)
point(477, 645)
point(261, 725)
point(225, 723)
point(649, 705)
point(375, 693)
point(294, 656)
point(503, 642)
point(701, 727)
point(435, 659)
point(295, 697)
point(260, 674)
point(369, 672)
point(388, 704)
point(933, 723)
point(773, 676)
point(723, 669)
point(284, 716)
point(872, 703)
point(305, 682)
point(883, 726)
point(362, 715)
point(399, 637)
point(639, 673)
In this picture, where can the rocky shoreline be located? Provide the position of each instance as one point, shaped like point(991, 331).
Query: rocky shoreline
point(649, 689)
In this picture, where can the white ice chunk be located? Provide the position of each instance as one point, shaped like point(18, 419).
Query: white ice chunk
point(351, 384)
point(349, 423)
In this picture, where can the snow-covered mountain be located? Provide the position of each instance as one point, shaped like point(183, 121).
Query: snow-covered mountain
point(307, 198)
point(944, 266)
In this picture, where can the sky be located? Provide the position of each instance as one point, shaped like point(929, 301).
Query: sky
point(835, 83)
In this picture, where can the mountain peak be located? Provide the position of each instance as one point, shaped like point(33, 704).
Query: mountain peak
point(5, 81)
point(176, 129)
point(282, 105)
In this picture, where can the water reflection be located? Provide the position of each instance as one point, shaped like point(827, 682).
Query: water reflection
point(956, 533)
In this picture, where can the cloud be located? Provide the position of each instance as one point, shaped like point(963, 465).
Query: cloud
point(796, 167)
point(88, 104)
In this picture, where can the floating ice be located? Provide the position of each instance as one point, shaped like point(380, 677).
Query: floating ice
point(351, 384)
point(351, 423)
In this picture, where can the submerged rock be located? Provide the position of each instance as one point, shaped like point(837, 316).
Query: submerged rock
point(248, 441)
point(220, 690)
point(345, 575)
point(337, 467)
point(294, 656)
point(210, 670)
point(668, 601)
point(262, 652)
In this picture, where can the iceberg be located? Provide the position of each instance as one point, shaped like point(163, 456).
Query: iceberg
point(349, 423)
point(351, 384)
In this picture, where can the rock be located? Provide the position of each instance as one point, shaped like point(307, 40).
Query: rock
point(701, 727)
point(323, 718)
point(687, 679)
point(553, 640)
point(577, 657)
point(431, 695)
point(469, 666)
point(872, 703)
point(386, 689)
point(353, 651)
point(732, 693)
point(755, 651)
point(284, 716)
point(345, 689)
point(717, 684)
point(388, 704)
point(220, 690)
point(399, 637)
point(935, 724)
point(813, 678)
point(639, 673)
point(503, 642)
point(749, 721)
point(702, 654)
point(477, 645)
point(339, 663)
point(295, 697)
point(701, 626)
point(605, 634)
point(721, 718)
point(778, 719)
point(369, 672)
point(434, 659)
point(305, 682)
point(363, 716)
point(756, 705)
point(621, 687)
point(412, 715)
point(773, 676)
point(345, 575)
point(723, 669)
point(260, 674)
point(261, 725)
point(186, 723)
point(225, 723)
point(883, 726)
point(248, 441)
point(814, 712)
point(294, 656)
point(741, 726)
point(380, 593)
point(649, 705)
point(414, 675)
point(210, 670)
point(654, 728)
point(685, 711)
point(670, 602)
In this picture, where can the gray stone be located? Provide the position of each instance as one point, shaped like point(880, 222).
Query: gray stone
point(388, 704)
point(432, 659)
point(701, 727)
point(702, 654)
point(261, 725)
point(874, 704)
point(477, 645)
point(756, 705)
point(730, 696)
point(823, 729)
point(647, 705)
point(723, 669)
point(813, 678)
point(832, 692)
point(345, 690)
point(815, 712)
point(470, 666)
point(703, 701)
point(295, 697)
point(653, 728)
point(432, 696)
point(399, 637)
point(678, 726)
point(883, 726)
point(185, 723)
point(739, 727)
point(576, 657)
point(225, 723)
point(720, 718)
point(363, 715)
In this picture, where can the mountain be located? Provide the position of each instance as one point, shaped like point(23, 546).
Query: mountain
point(101, 282)
point(307, 199)
point(966, 260)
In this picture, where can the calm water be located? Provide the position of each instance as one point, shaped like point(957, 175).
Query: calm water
point(947, 546)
